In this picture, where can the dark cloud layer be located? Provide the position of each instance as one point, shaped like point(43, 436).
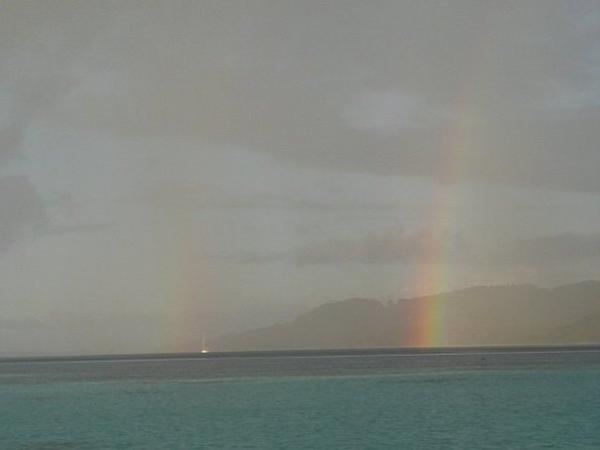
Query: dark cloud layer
point(560, 249)
point(400, 247)
point(391, 247)
point(191, 197)
point(23, 213)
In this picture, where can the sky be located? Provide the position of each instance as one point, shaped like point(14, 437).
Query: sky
point(174, 169)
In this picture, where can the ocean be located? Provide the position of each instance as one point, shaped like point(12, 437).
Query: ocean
point(502, 398)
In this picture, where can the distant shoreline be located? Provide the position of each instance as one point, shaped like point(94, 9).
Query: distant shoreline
point(398, 351)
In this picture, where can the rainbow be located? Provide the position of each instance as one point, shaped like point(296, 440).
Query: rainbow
point(434, 276)
point(458, 143)
point(186, 281)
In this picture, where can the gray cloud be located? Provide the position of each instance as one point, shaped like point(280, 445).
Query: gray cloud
point(249, 257)
point(555, 250)
point(358, 88)
point(382, 112)
point(79, 228)
point(23, 213)
point(20, 324)
point(39, 47)
point(399, 247)
point(32, 97)
point(34, 77)
point(201, 197)
point(391, 247)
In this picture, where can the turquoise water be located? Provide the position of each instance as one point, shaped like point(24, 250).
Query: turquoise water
point(421, 409)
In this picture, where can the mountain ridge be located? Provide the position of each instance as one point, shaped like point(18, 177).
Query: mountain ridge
point(521, 314)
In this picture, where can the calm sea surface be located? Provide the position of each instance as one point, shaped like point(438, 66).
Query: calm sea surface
point(455, 399)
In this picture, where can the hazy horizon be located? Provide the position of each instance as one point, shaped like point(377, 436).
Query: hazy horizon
point(176, 169)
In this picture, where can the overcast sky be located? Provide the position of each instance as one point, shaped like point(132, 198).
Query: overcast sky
point(169, 169)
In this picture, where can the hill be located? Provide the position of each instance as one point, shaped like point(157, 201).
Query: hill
point(492, 315)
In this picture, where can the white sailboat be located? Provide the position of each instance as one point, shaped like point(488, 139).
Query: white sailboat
point(204, 349)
